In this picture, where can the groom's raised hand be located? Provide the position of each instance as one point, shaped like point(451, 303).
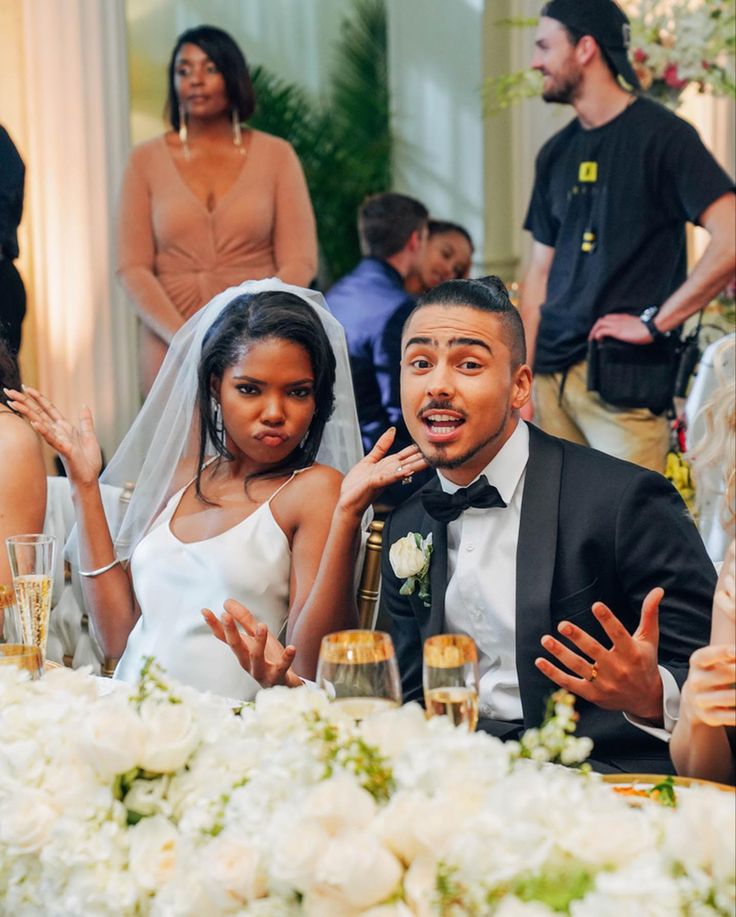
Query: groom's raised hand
point(624, 676)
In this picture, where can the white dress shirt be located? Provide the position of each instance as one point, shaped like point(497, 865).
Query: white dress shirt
point(481, 587)
point(481, 578)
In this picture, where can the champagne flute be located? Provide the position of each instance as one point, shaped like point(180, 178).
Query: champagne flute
point(23, 657)
point(7, 615)
point(358, 671)
point(31, 564)
point(450, 677)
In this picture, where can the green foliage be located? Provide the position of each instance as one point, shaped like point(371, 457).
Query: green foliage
point(664, 793)
point(557, 887)
point(353, 754)
point(344, 144)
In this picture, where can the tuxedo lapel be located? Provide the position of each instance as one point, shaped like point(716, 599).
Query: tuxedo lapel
point(535, 566)
point(437, 576)
point(433, 622)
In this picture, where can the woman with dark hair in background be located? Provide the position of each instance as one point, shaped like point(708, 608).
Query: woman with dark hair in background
point(22, 475)
point(446, 256)
point(229, 501)
point(211, 203)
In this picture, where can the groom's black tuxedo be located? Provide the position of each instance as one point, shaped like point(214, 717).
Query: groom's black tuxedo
point(592, 528)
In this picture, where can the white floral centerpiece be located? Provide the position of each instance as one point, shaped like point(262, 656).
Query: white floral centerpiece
point(158, 800)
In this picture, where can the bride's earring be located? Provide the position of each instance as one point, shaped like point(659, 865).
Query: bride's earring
point(218, 423)
point(237, 132)
point(184, 133)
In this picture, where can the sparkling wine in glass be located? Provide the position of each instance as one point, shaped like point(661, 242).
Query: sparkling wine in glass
point(450, 678)
point(22, 656)
point(358, 671)
point(31, 564)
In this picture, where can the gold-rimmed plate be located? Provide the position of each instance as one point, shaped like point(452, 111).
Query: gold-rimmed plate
point(636, 788)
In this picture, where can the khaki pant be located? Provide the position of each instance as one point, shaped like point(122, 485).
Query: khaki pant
point(633, 434)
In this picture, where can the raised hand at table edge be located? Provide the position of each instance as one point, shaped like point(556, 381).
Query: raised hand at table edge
point(365, 481)
point(77, 445)
point(255, 647)
point(625, 677)
point(709, 692)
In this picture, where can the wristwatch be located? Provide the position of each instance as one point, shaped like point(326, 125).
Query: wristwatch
point(647, 319)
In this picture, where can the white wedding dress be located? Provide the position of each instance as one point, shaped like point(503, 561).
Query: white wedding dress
point(174, 580)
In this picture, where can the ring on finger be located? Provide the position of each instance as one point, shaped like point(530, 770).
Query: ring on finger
point(399, 468)
point(593, 672)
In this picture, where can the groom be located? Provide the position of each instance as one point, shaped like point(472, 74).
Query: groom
point(546, 532)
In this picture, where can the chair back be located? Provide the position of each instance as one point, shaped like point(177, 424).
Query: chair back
point(369, 586)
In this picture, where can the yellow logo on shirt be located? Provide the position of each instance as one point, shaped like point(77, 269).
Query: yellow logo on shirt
point(588, 172)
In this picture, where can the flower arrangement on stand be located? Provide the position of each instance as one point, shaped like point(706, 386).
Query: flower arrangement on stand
point(674, 44)
point(158, 800)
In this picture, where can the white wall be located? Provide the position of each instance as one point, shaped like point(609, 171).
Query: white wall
point(435, 70)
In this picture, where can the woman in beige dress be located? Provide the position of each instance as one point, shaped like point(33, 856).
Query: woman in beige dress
point(210, 203)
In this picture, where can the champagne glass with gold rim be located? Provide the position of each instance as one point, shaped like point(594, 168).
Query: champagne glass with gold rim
point(23, 657)
point(31, 564)
point(450, 678)
point(358, 671)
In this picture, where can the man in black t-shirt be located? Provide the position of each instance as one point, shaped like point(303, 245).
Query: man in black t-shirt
point(613, 193)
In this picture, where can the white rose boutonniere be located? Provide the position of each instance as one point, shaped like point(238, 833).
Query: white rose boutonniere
point(409, 558)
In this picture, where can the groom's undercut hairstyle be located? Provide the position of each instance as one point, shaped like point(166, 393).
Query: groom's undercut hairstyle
point(386, 222)
point(487, 294)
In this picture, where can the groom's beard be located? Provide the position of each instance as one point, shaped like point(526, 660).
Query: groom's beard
point(438, 461)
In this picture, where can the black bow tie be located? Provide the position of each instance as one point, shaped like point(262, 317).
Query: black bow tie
point(446, 507)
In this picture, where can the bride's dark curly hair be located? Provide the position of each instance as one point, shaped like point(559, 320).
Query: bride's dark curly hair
point(9, 374)
point(272, 315)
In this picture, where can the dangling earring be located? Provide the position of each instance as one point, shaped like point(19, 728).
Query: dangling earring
point(237, 132)
point(184, 133)
point(218, 424)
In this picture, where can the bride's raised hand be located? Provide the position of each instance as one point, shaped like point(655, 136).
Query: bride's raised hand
point(255, 647)
point(77, 445)
point(362, 484)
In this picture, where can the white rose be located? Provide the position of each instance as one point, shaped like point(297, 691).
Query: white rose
point(172, 735)
point(358, 867)
point(296, 854)
point(112, 739)
point(184, 895)
point(233, 871)
point(325, 902)
point(339, 803)
point(420, 885)
point(26, 818)
point(400, 824)
point(154, 846)
point(406, 558)
point(394, 730)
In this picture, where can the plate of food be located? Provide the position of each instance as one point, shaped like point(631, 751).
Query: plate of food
point(662, 789)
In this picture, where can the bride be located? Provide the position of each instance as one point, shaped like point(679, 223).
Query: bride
point(237, 456)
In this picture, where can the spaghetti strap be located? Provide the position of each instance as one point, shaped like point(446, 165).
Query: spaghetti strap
point(287, 481)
